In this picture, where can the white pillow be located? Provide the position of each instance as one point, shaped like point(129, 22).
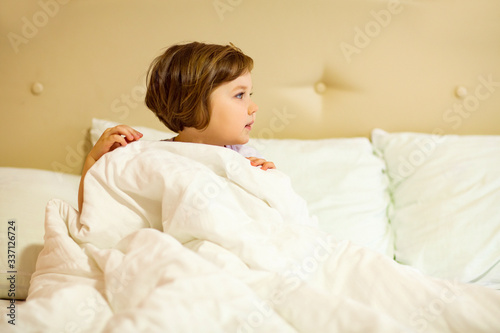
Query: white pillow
point(341, 180)
point(446, 199)
point(343, 183)
point(100, 125)
point(23, 197)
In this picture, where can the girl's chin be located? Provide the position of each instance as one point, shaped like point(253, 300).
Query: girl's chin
point(243, 140)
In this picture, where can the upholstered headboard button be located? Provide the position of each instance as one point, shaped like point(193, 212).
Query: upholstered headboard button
point(461, 92)
point(37, 88)
point(320, 87)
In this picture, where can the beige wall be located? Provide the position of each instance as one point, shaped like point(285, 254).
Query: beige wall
point(323, 68)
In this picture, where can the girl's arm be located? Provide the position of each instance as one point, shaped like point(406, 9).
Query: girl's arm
point(112, 138)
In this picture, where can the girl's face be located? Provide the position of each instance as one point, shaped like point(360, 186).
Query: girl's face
point(232, 112)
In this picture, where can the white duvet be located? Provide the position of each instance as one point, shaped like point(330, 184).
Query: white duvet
point(178, 237)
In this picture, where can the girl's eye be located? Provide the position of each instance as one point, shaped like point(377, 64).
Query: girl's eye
point(242, 94)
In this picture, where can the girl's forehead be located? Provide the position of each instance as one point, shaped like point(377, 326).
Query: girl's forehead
point(244, 79)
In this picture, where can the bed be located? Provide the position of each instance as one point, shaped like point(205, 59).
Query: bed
point(400, 195)
point(382, 215)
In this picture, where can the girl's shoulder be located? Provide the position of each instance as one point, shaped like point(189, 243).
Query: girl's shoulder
point(244, 150)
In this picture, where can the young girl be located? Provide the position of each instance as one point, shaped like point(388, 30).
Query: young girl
point(200, 91)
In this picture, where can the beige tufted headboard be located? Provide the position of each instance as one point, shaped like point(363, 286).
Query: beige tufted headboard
point(323, 68)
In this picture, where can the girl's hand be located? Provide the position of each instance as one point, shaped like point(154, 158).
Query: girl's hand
point(264, 165)
point(112, 138)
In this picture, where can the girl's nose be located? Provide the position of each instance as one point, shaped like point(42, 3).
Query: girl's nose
point(252, 108)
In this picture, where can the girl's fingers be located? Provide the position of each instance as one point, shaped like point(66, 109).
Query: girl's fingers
point(115, 139)
point(112, 138)
point(256, 161)
point(136, 135)
point(106, 143)
point(126, 131)
point(131, 134)
point(265, 165)
point(268, 165)
point(114, 146)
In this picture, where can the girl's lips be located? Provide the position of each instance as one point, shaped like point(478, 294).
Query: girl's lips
point(249, 125)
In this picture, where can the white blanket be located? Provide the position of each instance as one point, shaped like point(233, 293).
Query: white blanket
point(178, 237)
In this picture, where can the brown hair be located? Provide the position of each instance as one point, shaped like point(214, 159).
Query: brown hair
point(181, 80)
